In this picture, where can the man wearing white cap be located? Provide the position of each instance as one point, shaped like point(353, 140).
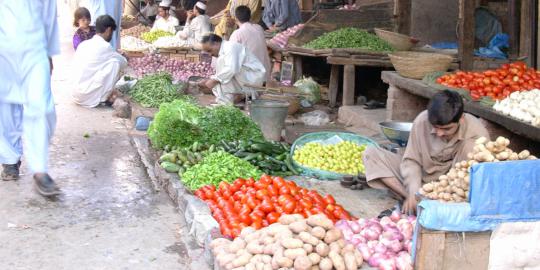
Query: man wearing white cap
point(165, 22)
point(197, 25)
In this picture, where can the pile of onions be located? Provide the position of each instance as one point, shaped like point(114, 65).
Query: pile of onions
point(281, 39)
point(384, 243)
point(180, 70)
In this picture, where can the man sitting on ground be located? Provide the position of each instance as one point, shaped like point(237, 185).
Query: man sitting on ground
point(98, 66)
point(236, 67)
point(440, 137)
point(197, 25)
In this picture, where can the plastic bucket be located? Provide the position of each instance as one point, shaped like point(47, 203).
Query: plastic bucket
point(270, 115)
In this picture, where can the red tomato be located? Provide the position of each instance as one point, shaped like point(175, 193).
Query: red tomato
point(200, 194)
point(252, 202)
point(289, 206)
point(267, 206)
point(278, 182)
point(329, 199)
point(261, 194)
point(284, 190)
point(250, 182)
point(266, 180)
point(272, 217)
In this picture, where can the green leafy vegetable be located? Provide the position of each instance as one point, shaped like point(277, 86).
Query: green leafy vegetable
point(217, 167)
point(153, 90)
point(181, 123)
point(349, 38)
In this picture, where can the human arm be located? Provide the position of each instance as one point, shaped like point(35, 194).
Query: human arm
point(76, 41)
point(208, 83)
point(411, 169)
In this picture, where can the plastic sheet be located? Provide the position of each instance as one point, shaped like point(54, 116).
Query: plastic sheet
point(315, 118)
point(199, 219)
point(505, 191)
point(453, 217)
point(512, 246)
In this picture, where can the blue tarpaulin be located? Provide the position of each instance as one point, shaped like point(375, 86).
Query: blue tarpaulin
point(505, 191)
point(453, 217)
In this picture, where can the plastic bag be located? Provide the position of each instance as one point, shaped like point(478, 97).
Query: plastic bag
point(315, 118)
point(199, 219)
point(125, 84)
point(310, 87)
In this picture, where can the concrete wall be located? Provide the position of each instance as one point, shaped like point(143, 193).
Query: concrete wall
point(434, 20)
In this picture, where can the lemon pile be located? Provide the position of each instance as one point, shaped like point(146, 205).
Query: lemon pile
point(344, 157)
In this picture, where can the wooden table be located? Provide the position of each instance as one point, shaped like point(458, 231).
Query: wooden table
point(420, 89)
point(349, 63)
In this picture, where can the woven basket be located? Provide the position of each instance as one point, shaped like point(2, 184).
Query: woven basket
point(398, 41)
point(416, 65)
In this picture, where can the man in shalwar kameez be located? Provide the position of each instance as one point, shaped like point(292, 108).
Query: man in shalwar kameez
point(26, 103)
point(236, 67)
point(441, 136)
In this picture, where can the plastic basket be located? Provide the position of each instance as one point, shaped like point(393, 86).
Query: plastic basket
point(317, 136)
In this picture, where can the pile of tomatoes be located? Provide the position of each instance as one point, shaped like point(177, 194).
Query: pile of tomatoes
point(497, 84)
point(260, 203)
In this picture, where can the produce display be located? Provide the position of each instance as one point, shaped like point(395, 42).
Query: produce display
point(497, 84)
point(524, 106)
point(170, 42)
point(153, 90)
point(179, 159)
point(454, 186)
point(217, 167)
point(294, 242)
point(271, 157)
point(135, 31)
point(260, 203)
point(282, 38)
point(152, 36)
point(384, 243)
point(133, 44)
point(344, 157)
point(182, 123)
point(180, 70)
point(350, 38)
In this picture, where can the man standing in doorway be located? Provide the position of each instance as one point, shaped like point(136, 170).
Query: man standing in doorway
point(26, 102)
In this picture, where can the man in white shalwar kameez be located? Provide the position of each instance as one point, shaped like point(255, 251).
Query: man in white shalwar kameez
point(112, 8)
point(164, 21)
point(236, 67)
point(26, 103)
point(251, 35)
point(197, 25)
point(98, 66)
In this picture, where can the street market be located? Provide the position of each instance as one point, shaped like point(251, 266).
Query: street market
point(367, 134)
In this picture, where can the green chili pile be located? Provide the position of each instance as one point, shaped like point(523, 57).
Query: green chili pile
point(153, 90)
point(349, 38)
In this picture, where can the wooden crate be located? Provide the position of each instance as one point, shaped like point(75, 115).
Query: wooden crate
point(441, 250)
point(193, 57)
point(178, 56)
point(133, 54)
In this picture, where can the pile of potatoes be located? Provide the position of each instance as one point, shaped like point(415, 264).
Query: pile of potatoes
point(135, 31)
point(294, 242)
point(454, 186)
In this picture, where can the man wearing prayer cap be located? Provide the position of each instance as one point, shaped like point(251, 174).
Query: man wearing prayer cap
point(197, 25)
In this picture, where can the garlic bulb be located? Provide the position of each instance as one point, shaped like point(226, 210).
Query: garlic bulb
point(524, 106)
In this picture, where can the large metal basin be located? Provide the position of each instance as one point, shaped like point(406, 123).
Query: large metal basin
point(396, 132)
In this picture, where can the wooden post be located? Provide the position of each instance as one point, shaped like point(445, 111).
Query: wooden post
point(298, 71)
point(348, 85)
point(513, 27)
point(526, 41)
point(334, 85)
point(403, 11)
point(466, 34)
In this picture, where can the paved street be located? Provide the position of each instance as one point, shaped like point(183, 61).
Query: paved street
point(109, 216)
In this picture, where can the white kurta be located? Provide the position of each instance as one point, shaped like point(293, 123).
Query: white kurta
point(236, 66)
point(252, 36)
point(26, 103)
point(196, 29)
point(98, 70)
point(112, 8)
point(168, 24)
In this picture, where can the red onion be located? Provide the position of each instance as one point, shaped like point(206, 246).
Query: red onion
point(395, 246)
point(386, 220)
point(375, 259)
point(372, 244)
point(362, 222)
point(387, 263)
point(392, 235)
point(365, 251)
point(395, 216)
point(370, 234)
point(355, 227)
point(404, 261)
point(357, 239)
point(380, 248)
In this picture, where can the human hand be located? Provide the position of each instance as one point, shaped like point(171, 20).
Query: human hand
point(409, 205)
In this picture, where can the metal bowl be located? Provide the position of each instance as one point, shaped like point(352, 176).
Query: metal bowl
point(396, 132)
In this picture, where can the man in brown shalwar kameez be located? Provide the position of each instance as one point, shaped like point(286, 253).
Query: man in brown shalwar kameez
point(441, 136)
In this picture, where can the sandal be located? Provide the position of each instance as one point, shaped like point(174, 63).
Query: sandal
point(373, 104)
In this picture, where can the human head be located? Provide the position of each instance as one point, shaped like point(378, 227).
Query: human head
point(163, 11)
point(242, 14)
point(105, 27)
point(212, 44)
point(199, 8)
point(82, 18)
point(445, 111)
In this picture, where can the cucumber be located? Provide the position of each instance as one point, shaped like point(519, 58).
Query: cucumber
point(274, 160)
point(241, 154)
point(170, 167)
point(253, 156)
point(168, 157)
point(290, 166)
